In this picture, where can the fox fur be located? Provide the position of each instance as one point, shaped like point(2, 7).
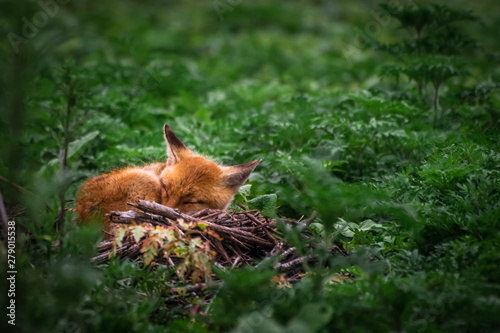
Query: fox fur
point(186, 181)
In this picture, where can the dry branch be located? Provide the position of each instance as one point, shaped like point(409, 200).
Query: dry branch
point(237, 237)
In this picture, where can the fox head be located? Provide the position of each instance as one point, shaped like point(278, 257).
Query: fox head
point(191, 182)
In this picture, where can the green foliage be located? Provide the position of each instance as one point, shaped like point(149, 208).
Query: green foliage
point(429, 56)
point(411, 192)
point(265, 203)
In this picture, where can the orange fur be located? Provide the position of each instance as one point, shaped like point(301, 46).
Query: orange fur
point(186, 181)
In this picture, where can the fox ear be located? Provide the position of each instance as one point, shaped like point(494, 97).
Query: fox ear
point(176, 150)
point(237, 175)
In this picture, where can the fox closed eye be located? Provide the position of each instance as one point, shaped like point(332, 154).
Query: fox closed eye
point(193, 202)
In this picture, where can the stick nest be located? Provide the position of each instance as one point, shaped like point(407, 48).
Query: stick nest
point(231, 238)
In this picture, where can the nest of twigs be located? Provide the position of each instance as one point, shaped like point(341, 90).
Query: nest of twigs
point(235, 237)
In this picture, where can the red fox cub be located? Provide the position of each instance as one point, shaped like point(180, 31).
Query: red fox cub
point(186, 181)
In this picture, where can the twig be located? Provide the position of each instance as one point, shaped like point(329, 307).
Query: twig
point(105, 245)
point(242, 206)
point(237, 251)
point(207, 216)
point(311, 219)
point(236, 261)
point(220, 248)
point(19, 187)
point(253, 218)
point(270, 236)
point(218, 265)
point(236, 237)
point(288, 251)
point(174, 214)
point(170, 262)
point(276, 249)
point(290, 264)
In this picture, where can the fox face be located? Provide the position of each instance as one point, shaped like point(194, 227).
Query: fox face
point(186, 181)
point(191, 182)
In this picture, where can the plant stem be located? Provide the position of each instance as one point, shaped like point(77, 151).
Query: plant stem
point(419, 82)
point(64, 161)
point(419, 29)
point(437, 84)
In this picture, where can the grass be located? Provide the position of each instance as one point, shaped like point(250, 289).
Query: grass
point(411, 192)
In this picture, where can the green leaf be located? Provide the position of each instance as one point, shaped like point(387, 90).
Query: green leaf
point(119, 237)
point(138, 232)
point(266, 204)
point(245, 189)
point(317, 229)
point(76, 146)
point(203, 115)
point(347, 228)
point(344, 228)
point(368, 225)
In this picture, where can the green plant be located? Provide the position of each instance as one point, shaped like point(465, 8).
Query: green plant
point(430, 53)
point(402, 173)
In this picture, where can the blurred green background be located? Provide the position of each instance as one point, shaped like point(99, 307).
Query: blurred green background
point(325, 92)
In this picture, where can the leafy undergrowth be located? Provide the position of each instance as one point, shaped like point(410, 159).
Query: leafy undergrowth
point(390, 134)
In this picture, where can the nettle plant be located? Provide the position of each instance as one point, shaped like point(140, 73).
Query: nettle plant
point(62, 116)
point(431, 53)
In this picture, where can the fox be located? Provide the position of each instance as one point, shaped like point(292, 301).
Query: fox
point(186, 181)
